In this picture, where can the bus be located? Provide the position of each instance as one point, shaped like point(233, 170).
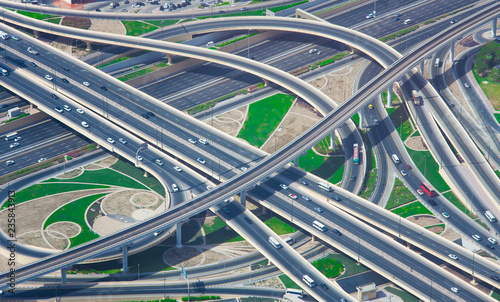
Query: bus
point(10, 136)
point(309, 281)
point(297, 292)
point(355, 156)
point(324, 186)
point(395, 158)
point(275, 242)
point(436, 64)
point(427, 189)
point(490, 216)
point(416, 98)
point(319, 225)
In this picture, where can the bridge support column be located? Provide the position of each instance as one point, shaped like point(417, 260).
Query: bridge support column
point(178, 235)
point(169, 57)
point(89, 46)
point(296, 161)
point(32, 106)
point(474, 280)
point(452, 51)
point(313, 239)
point(146, 174)
point(360, 119)
point(494, 27)
point(422, 66)
point(243, 198)
point(124, 259)
point(266, 82)
point(389, 96)
point(408, 245)
point(332, 140)
point(36, 33)
point(63, 275)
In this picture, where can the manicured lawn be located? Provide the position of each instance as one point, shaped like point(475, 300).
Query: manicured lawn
point(411, 209)
point(497, 116)
point(33, 15)
point(431, 172)
point(355, 119)
point(103, 176)
point(491, 89)
point(263, 117)
point(42, 190)
point(399, 195)
point(395, 99)
point(403, 295)
point(398, 116)
point(331, 168)
point(456, 202)
point(191, 235)
point(129, 169)
point(136, 28)
point(329, 267)
point(276, 224)
point(142, 72)
point(114, 61)
point(218, 233)
point(162, 23)
point(370, 184)
point(351, 268)
point(289, 283)
point(497, 173)
point(53, 20)
point(150, 260)
point(75, 212)
point(496, 294)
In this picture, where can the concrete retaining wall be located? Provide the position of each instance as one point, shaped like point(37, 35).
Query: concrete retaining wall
point(35, 116)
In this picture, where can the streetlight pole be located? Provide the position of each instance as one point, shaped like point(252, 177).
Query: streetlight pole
point(400, 125)
point(425, 165)
point(399, 229)
point(138, 271)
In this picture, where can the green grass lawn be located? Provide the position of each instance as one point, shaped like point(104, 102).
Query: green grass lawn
point(329, 267)
point(369, 185)
point(411, 209)
point(497, 116)
point(75, 212)
point(402, 294)
point(33, 15)
point(497, 173)
point(142, 72)
point(150, 260)
point(395, 99)
point(351, 268)
point(263, 117)
point(162, 23)
point(120, 59)
point(456, 202)
point(495, 294)
point(289, 283)
point(278, 225)
point(136, 28)
point(191, 234)
point(491, 89)
point(218, 233)
point(103, 176)
point(399, 195)
point(129, 169)
point(355, 119)
point(53, 20)
point(331, 168)
point(431, 172)
point(398, 116)
point(42, 190)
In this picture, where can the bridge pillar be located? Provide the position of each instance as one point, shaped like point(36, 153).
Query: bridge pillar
point(389, 96)
point(494, 27)
point(178, 235)
point(452, 51)
point(32, 106)
point(89, 46)
point(169, 57)
point(124, 259)
point(422, 66)
point(296, 161)
point(266, 82)
point(146, 174)
point(243, 198)
point(474, 280)
point(360, 119)
point(408, 245)
point(36, 33)
point(63, 275)
point(332, 140)
point(313, 239)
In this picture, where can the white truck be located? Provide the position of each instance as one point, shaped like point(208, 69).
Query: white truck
point(32, 51)
point(4, 35)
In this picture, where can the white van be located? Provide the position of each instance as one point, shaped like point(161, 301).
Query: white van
point(407, 21)
point(395, 158)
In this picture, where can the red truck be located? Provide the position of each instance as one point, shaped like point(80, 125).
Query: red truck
point(427, 189)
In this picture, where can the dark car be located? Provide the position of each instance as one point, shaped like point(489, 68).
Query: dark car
point(65, 80)
point(337, 232)
point(396, 19)
point(33, 64)
point(221, 12)
point(150, 113)
point(104, 88)
point(495, 278)
point(179, 5)
point(54, 96)
point(184, 4)
point(353, 178)
point(144, 115)
point(323, 285)
point(161, 8)
point(432, 202)
point(490, 246)
point(21, 63)
point(97, 9)
point(65, 68)
point(247, 220)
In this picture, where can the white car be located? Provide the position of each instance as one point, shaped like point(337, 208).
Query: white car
point(492, 240)
point(209, 188)
point(48, 77)
point(176, 168)
point(84, 124)
point(14, 145)
point(476, 237)
point(19, 138)
point(139, 158)
point(122, 140)
point(292, 196)
point(159, 162)
point(86, 84)
point(192, 141)
point(403, 172)
point(313, 50)
point(67, 108)
point(203, 141)
point(407, 21)
point(80, 111)
point(445, 215)
point(175, 188)
point(369, 16)
point(110, 140)
point(420, 192)
point(284, 187)
point(455, 290)
point(42, 159)
point(318, 209)
point(243, 169)
point(201, 161)
point(453, 256)
point(467, 85)
point(9, 162)
point(306, 197)
point(375, 122)
point(58, 109)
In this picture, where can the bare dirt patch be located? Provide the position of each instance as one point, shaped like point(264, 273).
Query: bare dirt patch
point(93, 167)
point(424, 221)
point(57, 240)
point(31, 214)
point(436, 229)
point(187, 256)
point(416, 143)
point(144, 200)
point(107, 162)
point(274, 282)
point(108, 26)
point(450, 234)
point(66, 228)
point(71, 174)
point(340, 82)
point(229, 122)
point(120, 203)
point(63, 44)
point(33, 238)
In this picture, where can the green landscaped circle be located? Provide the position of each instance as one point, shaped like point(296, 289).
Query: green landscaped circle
point(329, 267)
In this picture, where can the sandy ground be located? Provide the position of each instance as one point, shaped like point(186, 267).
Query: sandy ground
point(416, 143)
point(125, 203)
point(71, 174)
point(108, 26)
point(230, 122)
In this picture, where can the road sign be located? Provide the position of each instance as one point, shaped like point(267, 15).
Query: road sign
point(184, 272)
